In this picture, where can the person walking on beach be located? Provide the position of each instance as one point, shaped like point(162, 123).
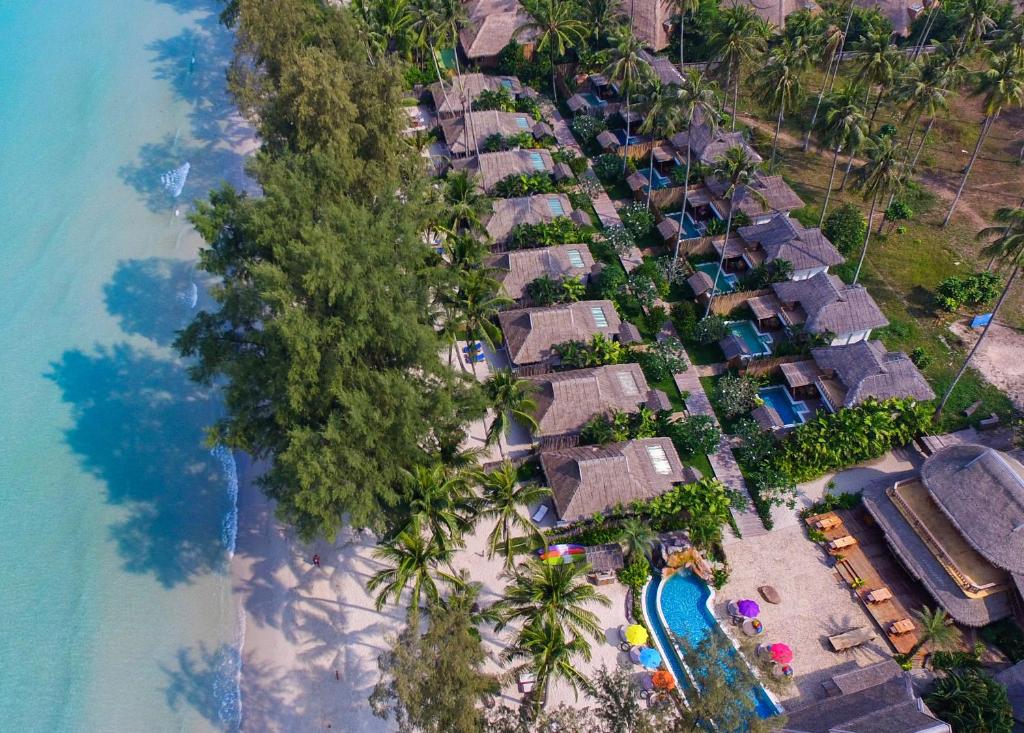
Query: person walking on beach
point(316, 560)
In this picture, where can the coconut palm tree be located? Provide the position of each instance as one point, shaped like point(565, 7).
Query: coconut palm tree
point(697, 102)
point(555, 27)
point(432, 31)
point(949, 73)
point(637, 537)
point(465, 206)
point(601, 17)
point(830, 47)
point(937, 631)
point(843, 126)
point(549, 655)
point(779, 82)
point(558, 594)
point(511, 398)
point(878, 62)
point(1008, 247)
point(628, 71)
point(1001, 85)
point(507, 500)
point(738, 170)
point(737, 39)
point(975, 22)
point(439, 503)
point(389, 24)
point(664, 105)
point(413, 561)
point(478, 299)
point(465, 252)
point(883, 173)
point(684, 8)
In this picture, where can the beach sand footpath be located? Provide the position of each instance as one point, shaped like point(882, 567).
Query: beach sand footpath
point(312, 635)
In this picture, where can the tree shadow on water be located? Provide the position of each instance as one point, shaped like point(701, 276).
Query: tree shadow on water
point(138, 428)
point(155, 297)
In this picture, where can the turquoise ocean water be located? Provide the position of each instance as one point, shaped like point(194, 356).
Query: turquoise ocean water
point(116, 523)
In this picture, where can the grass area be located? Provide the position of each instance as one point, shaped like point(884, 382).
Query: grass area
point(704, 354)
point(701, 463)
point(668, 386)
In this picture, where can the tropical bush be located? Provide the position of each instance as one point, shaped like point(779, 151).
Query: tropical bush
point(636, 573)
point(704, 503)
point(641, 286)
point(830, 502)
point(524, 184)
point(662, 359)
point(831, 442)
point(735, 395)
point(637, 219)
point(694, 435)
point(710, 329)
point(684, 318)
point(497, 99)
point(972, 702)
point(600, 351)
point(673, 269)
point(610, 282)
point(845, 227)
point(561, 230)
point(1006, 636)
point(921, 358)
point(619, 239)
point(899, 211)
point(617, 426)
point(534, 71)
point(756, 445)
point(577, 163)
point(546, 290)
point(978, 289)
point(608, 167)
point(587, 128)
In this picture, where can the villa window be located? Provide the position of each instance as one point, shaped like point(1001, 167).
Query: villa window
point(536, 161)
point(575, 258)
point(523, 123)
point(555, 206)
point(628, 384)
point(599, 317)
point(507, 83)
point(659, 459)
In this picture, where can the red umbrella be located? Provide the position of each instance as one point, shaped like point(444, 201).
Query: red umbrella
point(781, 653)
point(663, 680)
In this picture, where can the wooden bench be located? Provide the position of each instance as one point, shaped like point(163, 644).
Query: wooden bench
point(903, 626)
point(841, 542)
point(878, 595)
point(828, 522)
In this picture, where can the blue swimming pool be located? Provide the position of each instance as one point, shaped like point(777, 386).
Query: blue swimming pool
point(726, 282)
point(661, 639)
point(758, 344)
point(690, 229)
point(620, 135)
point(683, 602)
point(791, 412)
point(593, 101)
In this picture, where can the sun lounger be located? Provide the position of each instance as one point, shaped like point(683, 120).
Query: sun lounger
point(852, 638)
point(542, 511)
point(903, 626)
point(827, 523)
point(878, 595)
point(840, 542)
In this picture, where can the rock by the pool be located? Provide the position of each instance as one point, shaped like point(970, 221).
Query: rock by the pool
point(769, 593)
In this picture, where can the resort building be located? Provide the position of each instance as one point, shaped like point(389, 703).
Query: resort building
point(489, 169)
point(958, 527)
point(822, 305)
point(509, 213)
point(709, 144)
point(651, 20)
point(773, 195)
point(566, 401)
point(878, 698)
point(450, 99)
point(531, 333)
point(492, 26)
point(592, 478)
point(516, 269)
point(463, 136)
point(808, 251)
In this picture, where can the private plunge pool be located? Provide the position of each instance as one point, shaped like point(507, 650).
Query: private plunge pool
point(757, 343)
point(682, 605)
point(790, 411)
point(726, 281)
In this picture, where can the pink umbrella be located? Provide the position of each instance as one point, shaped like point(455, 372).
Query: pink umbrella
point(781, 653)
point(748, 608)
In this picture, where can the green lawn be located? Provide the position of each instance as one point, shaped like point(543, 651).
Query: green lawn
point(701, 463)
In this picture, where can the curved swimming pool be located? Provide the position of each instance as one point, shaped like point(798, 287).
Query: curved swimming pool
point(682, 604)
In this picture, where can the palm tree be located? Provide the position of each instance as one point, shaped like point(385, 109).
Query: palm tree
point(830, 47)
point(937, 631)
point(883, 173)
point(556, 29)
point(465, 206)
point(432, 31)
point(548, 655)
point(844, 126)
point(511, 398)
point(465, 252)
point(1001, 85)
point(697, 103)
point(683, 7)
point(878, 62)
point(628, 71)
point(737, 39)
point(664, 119)
point(975, 22)
point(412, 560)
point(738, 170)
point(949, 72)
point(389, 24)
point(1008, 247)
point(637, 537)
point(558, 594)
point(508, 502)
point(478, 299)
point(779, 82)
point(439, 503)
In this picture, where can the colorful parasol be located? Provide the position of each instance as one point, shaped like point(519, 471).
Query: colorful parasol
point(748, 608)
point(663, 680)
point(636, 634)
point(781, 653)
point(650, 658)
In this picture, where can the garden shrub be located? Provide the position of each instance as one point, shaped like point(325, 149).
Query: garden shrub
point(1006, 636)
point(635, 574)
point(637, 219)
point(495, 99)
point(899, 211)
point(524, 184)
point(694, 435)
point(641, 286)
point(971, 702)
point(600, 351)
point(975, 290)
point(845, 227)
point(608, 167)
point(561, 230)
point(735, 395)
point(587, 128)
point(620, 240)
point(921, 358)
point(710, 329)
point(684, 318)
point(610, 282)
point(580, 200)
point(662, 359)
point(528, 106)
point(577, 163)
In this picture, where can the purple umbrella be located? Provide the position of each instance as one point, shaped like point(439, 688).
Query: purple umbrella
point(748, 608)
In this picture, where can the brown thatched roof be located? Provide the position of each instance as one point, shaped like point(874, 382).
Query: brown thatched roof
point(590, 479)
point(525, 210)
point(492, 26)
point(776, 11)
point(708, 144)
point(458, 133)
point(520, 267)
point(775, 195)
point(652, 20)
point(605, 558)
point(866, 369)
point(530, 333)
point(783, 238)
point(566, 401)
point(490, 168)
point(1013, 679)
point(448, 101)
point(800, 373)
point(981, 490)
point(832, 306)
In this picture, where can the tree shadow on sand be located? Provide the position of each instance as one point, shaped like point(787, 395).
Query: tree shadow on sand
point(138, 427)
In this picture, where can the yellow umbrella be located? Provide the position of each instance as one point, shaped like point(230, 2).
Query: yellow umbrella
point(636, 634)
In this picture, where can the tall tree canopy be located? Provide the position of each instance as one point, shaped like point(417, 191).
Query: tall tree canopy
point(321, 336)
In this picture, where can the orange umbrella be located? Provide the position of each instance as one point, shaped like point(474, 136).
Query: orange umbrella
point(663, 680)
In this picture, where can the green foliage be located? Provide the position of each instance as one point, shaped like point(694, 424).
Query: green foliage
point(534, 71)
point(736, 395)
point(899, 211)
point(845, 227)
point(636, 573)
point(710, 329)
point(610, 282)
point(719, 577)
point(587, 128)
point(947, 661)
point(524, 140)
point(694, 435)
point(975, 290)
point(834, 441)
point(600, 351)
point(684, 318)
point(921, 358)
point(756, 445)
point(637, 220)
point(561, 230)
point(830, 502)
point(620, 240)
point(495, 99)
point(1007, 637)
point(577, 163)
point(662, 359)
point(608, 167)
point(971, 702)
point(524, 184)
point(617, 426)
